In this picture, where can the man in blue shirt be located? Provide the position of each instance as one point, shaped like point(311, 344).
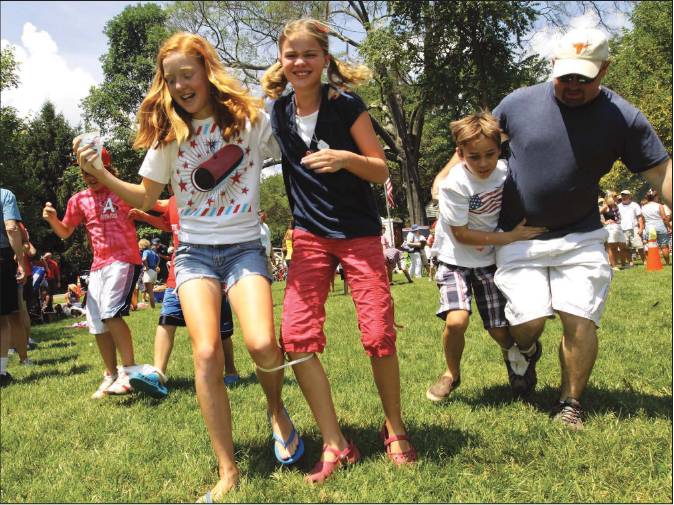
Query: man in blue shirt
point(11, 273)
point(564, 136)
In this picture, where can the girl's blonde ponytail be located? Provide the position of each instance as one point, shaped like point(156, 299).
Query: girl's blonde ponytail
point(274, 81)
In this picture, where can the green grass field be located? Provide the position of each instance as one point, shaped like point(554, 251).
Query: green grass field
point(57, 445)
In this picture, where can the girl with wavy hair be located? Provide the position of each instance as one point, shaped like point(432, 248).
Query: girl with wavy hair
point(208, 137)
point(330, 157)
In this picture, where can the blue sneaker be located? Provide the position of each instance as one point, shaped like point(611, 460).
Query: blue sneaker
point(149, 384)
point(230, 380)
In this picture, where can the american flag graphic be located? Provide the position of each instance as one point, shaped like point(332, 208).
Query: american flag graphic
point(389, 193)
point(489, 201)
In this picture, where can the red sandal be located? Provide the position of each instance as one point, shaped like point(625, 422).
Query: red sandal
point(398, 458)
point(323, 469)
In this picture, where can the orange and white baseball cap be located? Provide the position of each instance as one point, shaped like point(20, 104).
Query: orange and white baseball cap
point(581, 51)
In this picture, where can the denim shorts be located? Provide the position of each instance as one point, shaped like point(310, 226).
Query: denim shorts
point(225, 263)
point(172, 314)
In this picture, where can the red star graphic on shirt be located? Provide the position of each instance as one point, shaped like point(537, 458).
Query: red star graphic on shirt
point(210, 202)
point(244, 191)
point(238, 140)
point(237, 178)
point(250, 163)
point(231, 201)
point(247, 151)
point(186, 165)
point(190, 202)
point(183, 186)
point(180, 153)
point(193, 143)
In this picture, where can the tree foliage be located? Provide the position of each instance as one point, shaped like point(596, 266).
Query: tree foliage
point(134, 38)
point(425, 55)
point(8, 69)
point(641, 72)
point(274, 202)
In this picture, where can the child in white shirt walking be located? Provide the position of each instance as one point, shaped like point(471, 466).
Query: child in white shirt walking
point(465, 236)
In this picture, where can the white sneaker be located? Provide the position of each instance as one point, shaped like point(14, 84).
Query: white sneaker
point(102, 390)
point(121, 386)
point(27, 362)
point(11, 351)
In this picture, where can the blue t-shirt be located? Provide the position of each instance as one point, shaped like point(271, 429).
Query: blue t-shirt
point(151, 257)
point(559, 153)
point(9, 210)
point(334, 205)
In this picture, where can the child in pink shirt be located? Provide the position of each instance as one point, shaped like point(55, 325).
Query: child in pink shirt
point(114, 273)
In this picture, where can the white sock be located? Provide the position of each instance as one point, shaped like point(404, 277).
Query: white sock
point(529, 351)
point(128, 370)
point(3, 365)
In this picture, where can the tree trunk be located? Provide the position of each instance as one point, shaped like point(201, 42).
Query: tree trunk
point(415, 207)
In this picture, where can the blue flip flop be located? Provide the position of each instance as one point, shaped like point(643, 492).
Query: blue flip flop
point(299, 451)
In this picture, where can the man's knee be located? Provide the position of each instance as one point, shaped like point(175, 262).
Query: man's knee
point(529, 331)
point(577, 327)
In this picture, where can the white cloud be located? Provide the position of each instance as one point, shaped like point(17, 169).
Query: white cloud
point(44, 74)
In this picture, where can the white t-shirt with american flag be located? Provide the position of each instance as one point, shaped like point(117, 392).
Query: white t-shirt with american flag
point(466, 200)
point(216, 183)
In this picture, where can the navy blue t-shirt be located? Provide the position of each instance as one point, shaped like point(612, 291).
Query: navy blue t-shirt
point(559, 153)
point(331, 205)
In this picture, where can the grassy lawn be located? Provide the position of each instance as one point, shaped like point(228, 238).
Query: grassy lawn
point(57, 445)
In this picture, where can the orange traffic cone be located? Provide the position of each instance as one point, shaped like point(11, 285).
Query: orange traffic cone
point(653, 259)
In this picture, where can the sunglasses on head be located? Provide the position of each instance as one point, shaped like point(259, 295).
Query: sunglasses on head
point(580, 79)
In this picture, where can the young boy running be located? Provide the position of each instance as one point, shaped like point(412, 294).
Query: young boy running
point(152, 380)
point(114, 272)
point(466, 233)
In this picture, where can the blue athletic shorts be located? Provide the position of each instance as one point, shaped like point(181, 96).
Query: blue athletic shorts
point(172, 314)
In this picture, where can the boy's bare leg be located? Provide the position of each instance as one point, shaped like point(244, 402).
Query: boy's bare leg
point(228, 350)
point(121, 335)
point(106, 347)
point(163, 345)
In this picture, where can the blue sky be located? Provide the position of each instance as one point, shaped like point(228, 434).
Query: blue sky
point(59, 45)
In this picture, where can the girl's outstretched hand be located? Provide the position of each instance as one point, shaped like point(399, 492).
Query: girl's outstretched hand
point(524, 232)
point(326, 160)
point(88, 158)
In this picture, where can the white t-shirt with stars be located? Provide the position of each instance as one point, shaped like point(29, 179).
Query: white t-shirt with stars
point(216, 183)
point(466, 200)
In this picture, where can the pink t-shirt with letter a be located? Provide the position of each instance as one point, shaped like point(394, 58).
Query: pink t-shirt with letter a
point(112, 234)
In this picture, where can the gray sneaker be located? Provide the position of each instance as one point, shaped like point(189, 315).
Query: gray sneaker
point(440, 391)
point(570, 413)
point(523, 385)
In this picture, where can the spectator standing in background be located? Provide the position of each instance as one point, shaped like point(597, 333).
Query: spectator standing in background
point(632, 225)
